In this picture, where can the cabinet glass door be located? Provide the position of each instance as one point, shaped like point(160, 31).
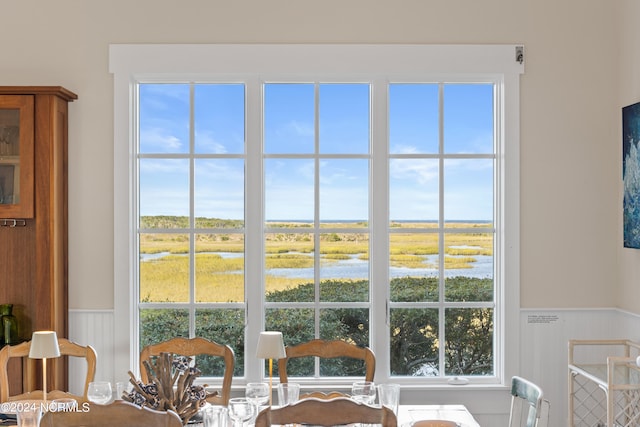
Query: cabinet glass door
point(16, 156)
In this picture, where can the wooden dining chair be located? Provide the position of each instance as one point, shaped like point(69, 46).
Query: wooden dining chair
point(528, 406)
point(321, 412)
point(328, 349)
point(119, 413)
point(193, 347)
point(67, 348)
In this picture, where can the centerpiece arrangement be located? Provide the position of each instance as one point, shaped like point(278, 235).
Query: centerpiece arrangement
point(171, 387)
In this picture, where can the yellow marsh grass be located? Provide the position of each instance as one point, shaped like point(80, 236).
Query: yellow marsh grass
point(221, 279)
point(167, 279)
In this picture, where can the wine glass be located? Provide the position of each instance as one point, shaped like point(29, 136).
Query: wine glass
point(100, 392)
point(258, 394)
point(364, 391)
point(240, 410)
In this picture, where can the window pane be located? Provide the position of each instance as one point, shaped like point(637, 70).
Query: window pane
point(469, 343)
point(342, 367)
point(344, 118)
point(344, 191)
point(468, 289)
point(219, 192)
point(164, 118)
point(219, 267)
point(345, 256)
point(157, 325)
point(414, 252)
point(289, 185)
point(289, 265)
point(297, 326)
point(468, 194)
point(468, 118)
point(347, 324)
point(414, 342)
point(289, 118)
point(413, 190)
point(164, 268)
point(414, 289)
point(344, 290)
point(413, 118)
point(469, 254)
point(224, 326)
point(164, 187)
point(219, 118)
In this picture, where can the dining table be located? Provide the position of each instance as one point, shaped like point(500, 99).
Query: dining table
point(407, 415)
point(410, 414)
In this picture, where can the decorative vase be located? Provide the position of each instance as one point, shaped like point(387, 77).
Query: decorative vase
point(9, 324)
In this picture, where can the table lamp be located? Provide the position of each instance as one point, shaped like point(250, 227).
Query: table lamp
point(44, 345)
point(270, 346)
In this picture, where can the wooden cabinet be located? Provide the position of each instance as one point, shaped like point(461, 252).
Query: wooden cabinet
point(33, 223)
point(16, 156)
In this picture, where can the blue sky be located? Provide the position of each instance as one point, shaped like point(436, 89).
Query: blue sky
point(343, 112)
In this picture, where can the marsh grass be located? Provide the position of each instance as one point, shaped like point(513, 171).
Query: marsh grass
point(410, 261)
point(337, 257)
point(288, 261)
point(221, 279)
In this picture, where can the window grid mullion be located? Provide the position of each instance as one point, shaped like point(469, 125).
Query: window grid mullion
point(191, 234)
point(316, 221)
point(441, 244)
point(254, 233)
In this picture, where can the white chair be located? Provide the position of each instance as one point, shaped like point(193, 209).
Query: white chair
point(528, 406)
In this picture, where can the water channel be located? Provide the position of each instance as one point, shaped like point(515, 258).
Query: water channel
point(355, 268)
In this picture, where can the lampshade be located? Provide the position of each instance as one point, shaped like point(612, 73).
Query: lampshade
point(44, 344)
point(270, 346)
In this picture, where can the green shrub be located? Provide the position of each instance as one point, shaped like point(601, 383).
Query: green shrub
point(413, 332)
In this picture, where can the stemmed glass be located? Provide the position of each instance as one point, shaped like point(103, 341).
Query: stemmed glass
point(364, 391)
point(100, 392)
point(258, 394)
point(240, 410)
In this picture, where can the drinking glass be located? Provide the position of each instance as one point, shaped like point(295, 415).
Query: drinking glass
point(258, 394)
point(389, 396)
point(215, 416)
point(123, 387)
point(288, 393)
point(240, 410)
point(29, 415)
point(100, 392)
point(364, 391)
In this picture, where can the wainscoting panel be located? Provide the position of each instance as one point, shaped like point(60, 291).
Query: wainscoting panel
point(544, 354)
point(544, 347)
point(95, 328)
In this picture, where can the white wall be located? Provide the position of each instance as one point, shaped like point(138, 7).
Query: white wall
point(629, 93)
point(582, 62)
point(570, 120)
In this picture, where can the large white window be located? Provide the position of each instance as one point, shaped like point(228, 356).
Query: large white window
point(364, 193)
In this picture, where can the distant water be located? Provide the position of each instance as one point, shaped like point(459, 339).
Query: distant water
point(355, 268)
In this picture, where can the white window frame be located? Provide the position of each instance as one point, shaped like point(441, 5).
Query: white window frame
point(131, 63)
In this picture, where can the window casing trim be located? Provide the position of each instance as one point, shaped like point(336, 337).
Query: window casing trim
point(131, 64)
